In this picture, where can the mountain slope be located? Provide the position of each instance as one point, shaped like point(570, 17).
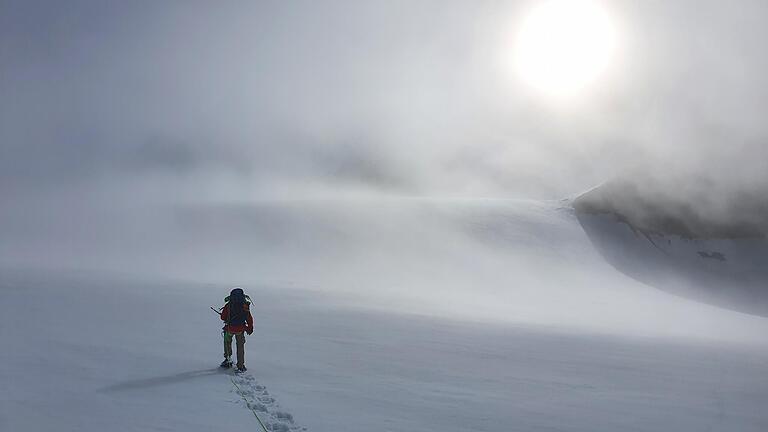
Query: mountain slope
point(680, 247)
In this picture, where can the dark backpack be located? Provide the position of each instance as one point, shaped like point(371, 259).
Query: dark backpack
point(238, 307)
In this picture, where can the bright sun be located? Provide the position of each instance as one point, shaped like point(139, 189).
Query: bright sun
point(564, 46)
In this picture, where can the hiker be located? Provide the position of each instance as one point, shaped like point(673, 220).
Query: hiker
point(237, 318)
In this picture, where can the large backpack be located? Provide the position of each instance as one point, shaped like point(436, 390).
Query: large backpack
point(238, 307)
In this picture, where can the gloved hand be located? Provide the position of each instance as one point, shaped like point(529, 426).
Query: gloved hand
point(249, 330)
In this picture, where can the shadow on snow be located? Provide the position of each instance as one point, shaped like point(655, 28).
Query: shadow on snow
point(161, 380)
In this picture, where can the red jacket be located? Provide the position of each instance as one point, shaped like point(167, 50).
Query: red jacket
point(234, 328)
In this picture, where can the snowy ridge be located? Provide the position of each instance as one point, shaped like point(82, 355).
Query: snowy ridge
point(725, 271)
point(264, 407)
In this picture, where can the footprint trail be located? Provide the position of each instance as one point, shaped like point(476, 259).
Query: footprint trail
point(266, 409)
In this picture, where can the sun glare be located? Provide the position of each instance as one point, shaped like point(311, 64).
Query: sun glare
point(564, 46)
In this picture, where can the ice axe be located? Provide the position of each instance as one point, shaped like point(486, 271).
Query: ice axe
point(218, 312)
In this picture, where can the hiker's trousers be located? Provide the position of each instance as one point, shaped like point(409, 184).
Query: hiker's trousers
point(239, 342)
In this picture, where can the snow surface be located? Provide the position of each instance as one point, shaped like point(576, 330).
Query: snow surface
point(483, 316)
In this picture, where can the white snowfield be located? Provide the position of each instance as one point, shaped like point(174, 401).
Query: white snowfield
point(397, 315)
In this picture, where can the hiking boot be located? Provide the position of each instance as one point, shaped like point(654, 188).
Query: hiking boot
point(241, 368)
point(227, 363)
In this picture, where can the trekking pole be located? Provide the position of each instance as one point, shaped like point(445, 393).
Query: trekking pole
point(215, 310)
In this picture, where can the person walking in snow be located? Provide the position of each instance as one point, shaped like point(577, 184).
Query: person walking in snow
point(237, 318)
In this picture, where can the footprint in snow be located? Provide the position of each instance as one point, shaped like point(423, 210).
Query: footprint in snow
point(258, 400)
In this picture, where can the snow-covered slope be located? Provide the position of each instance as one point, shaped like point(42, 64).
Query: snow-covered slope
point(501, 260)
point(667, 245)
point(376, 315)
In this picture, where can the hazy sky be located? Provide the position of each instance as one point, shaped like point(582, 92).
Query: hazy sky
point(108, 107)
point(243, 99)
